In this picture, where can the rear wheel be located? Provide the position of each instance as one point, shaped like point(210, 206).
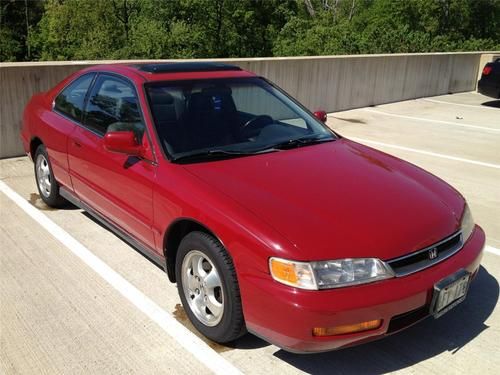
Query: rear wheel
point(45, 181)
point(208, 287)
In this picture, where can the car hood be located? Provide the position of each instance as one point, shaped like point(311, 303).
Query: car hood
point(339, 199)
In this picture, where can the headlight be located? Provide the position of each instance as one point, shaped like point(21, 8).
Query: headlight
point(343, 272)
point(467, 225)
point(329, 274)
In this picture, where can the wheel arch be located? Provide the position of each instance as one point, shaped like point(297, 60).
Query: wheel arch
point(174, 234)
point(34, 144)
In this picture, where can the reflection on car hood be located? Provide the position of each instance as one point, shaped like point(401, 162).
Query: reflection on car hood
point(340, 199)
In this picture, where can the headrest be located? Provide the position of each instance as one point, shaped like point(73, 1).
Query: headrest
point(218, 99)
point(200, 102)
point(160, 97)
point(218, 90)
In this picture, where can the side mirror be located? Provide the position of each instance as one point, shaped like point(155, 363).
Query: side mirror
point(123, 142)
point(320, 115)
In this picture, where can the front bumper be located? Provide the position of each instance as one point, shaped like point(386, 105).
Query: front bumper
point(285, 316)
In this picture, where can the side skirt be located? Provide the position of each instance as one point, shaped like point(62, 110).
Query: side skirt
point(136, 244)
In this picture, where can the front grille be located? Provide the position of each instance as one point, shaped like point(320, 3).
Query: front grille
point(399, 322)
point(427, 257)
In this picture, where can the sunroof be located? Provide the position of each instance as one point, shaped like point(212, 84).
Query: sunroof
point(186, 67)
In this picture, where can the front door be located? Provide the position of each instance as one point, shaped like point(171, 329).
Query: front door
point(117, 186)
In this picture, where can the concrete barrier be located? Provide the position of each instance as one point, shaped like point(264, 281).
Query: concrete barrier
point(332, 83)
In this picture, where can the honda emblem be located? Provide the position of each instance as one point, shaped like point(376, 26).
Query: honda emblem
point(433, 253)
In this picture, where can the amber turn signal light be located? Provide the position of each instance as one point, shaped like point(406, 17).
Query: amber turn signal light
point(348, 328)
point(284, 271)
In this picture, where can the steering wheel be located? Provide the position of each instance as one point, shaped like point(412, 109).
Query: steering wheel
point(252, 127)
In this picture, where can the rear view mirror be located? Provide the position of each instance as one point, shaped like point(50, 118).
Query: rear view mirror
point(123, 142)
point(320, 115)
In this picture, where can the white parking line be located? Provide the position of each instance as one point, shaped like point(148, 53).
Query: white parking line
point(455, 158)
point(193, 344)
point(460, 104)
point(492, 250)
point(429, 120)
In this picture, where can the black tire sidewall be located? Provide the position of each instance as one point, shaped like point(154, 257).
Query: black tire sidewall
point(232, 325)
point(54, 199)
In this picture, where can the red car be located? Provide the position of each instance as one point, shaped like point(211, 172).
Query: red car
point(268, 221)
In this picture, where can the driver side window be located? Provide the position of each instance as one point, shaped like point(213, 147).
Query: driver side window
point(113, 106)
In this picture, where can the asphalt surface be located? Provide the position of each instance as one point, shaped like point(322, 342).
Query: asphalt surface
point(59, 314)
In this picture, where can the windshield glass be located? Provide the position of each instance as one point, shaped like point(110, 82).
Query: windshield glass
point(229, 117)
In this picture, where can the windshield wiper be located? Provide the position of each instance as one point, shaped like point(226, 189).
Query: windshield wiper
point(302, 141)
point(221, 153)
point(216, 154)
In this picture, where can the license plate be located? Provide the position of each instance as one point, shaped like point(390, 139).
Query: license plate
point(449, 292)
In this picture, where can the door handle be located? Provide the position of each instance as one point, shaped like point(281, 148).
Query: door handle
point(77, 143)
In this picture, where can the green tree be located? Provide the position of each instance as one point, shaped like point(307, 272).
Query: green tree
point(389, 26)
point(17, 20)
point(124, 29)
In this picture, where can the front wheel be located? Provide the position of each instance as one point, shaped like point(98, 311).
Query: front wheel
point(45, 181)
point(208, 288)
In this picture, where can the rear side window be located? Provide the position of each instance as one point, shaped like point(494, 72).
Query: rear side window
point(113, 106)
point(71, 100)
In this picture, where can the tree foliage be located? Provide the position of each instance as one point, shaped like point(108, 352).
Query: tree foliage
point(17, 20)
point(128, 29)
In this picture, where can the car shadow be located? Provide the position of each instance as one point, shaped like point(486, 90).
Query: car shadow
point(36, 201)
point(248, 342)
point(422, 341)
point(492, 103)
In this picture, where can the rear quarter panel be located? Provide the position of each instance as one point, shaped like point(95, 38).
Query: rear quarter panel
point(40, 122)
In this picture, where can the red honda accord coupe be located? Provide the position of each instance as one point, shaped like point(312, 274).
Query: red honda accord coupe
point(267, 220)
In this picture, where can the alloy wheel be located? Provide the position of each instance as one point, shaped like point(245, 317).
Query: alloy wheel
point(43, 175)
point(202, 287)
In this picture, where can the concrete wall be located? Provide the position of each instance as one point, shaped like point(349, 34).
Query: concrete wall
point(332, 83)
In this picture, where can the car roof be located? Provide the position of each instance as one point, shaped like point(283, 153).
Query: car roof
point(172, 71)
point(191, 66)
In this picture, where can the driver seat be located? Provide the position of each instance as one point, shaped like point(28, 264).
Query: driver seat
point(211, 118)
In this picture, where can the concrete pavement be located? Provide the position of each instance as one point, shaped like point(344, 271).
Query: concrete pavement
point(58, 316)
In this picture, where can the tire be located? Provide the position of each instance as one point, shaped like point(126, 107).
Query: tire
point(47, 185)
point(217, 291)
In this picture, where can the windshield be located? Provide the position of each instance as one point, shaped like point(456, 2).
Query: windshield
point(229, 117)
